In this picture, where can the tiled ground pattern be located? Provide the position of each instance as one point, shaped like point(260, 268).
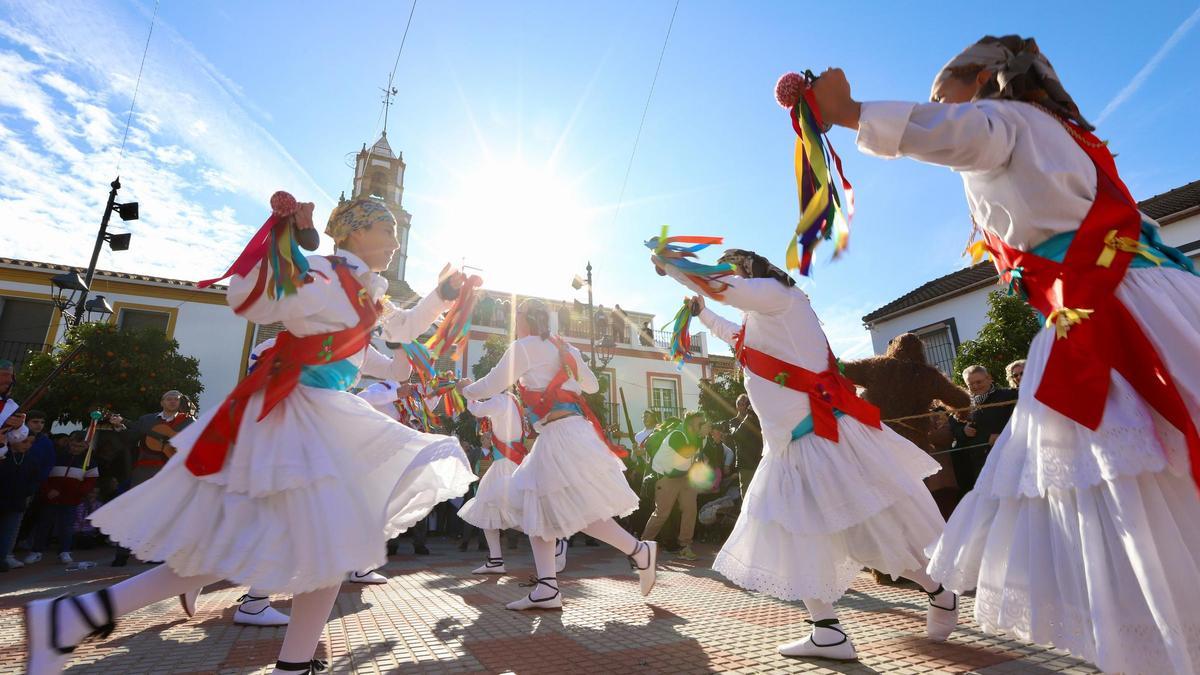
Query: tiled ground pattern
point(435, 617)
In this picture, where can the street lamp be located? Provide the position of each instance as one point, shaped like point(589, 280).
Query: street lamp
point(117, 242)
point(578, 283)
point(68, 291)
point(608, 349)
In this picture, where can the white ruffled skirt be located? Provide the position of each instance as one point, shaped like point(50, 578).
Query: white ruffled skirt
point(568, 481)
point(817, 512)
point(492, 507)
point(312, 492)
point(1090, 540)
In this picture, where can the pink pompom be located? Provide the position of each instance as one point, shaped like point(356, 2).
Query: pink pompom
point(283, 204)
point(789, 89)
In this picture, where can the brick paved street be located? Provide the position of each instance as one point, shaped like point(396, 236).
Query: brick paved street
point(434, 617)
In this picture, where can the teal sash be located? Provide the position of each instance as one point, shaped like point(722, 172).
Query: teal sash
point(339, 375)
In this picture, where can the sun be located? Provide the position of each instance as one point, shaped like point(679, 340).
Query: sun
point(526, 226)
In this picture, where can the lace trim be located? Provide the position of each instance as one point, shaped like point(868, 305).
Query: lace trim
point(798, 587)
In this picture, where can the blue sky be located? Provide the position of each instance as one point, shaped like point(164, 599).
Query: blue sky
point(517, 121)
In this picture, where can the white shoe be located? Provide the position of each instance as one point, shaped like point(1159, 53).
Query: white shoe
point(188, 601)
point(257, 611)
point(13, 563)
point(492, 566)
point(368, 577)
point(830, 643)
point(527, 602)
point(65, 558)
point(560, 555)
point(33, 557)
point(649, 574)
point(942, 617)
point(45, 653)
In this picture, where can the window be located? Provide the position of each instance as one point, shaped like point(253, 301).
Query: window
point(664, 397)
point(939, 347)
point(24, 325)
point(137, 319)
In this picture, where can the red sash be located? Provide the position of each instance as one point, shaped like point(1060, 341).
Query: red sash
point(827, 390)
point(540, 402)
point(1096, 332)
point(515, 451)
point(278, 372)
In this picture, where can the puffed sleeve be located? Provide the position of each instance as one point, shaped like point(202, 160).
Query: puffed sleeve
point(721, 327)
point(406, 325)
point(976, 137)
point(382, 366)
point(309, 299)
point(505, 374)
point(751, 295)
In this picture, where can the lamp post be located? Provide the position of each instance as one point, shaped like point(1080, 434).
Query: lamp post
point(117, 242)
point(577, 284)
point(67, 292)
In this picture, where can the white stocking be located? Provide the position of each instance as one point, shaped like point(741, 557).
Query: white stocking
point(147, 588)
point(543, 562)
point(493, 542)
point(609, 532)
point(257, 601)
point(310, 613)
point(819, 609)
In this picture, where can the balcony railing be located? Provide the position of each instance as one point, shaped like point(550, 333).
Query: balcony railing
point(662, 340)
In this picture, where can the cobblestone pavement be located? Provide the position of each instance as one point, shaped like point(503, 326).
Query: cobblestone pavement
point(435, 617)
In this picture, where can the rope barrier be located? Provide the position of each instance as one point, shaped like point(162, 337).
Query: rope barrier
point(952, 410)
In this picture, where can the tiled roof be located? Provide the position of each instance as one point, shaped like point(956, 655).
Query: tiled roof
point(1161, 206)
point(55, 267)
point(1173, 201)
point(984, 272)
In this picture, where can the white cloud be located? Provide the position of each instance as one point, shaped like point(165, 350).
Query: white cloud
point(196, 160)
point(1144, 74)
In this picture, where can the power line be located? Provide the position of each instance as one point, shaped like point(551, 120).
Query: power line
point(645, 109)
point(136, 85)
point(390, 91)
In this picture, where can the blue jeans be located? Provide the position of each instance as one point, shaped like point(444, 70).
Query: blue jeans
point(61, 519)
point(10, 522)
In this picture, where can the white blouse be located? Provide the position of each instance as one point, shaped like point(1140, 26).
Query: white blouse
point(502, 410)
point(322, 307)
point(533, 362)
point(779, 321)
point(1026, 179)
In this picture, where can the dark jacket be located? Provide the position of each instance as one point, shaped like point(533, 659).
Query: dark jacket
point(19, 482)
point(988, 421)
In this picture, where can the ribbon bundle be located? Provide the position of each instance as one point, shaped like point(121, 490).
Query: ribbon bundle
point(681, 340)
point(276, 243)
point(457, 323)
point(421, 361)
point(821, 213)
point(443, 386)
point(672, 251)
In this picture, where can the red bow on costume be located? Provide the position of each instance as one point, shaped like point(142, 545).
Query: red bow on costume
point(277, 374)
point(827, 390)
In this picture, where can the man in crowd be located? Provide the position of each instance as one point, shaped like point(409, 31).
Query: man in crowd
point(152, 435)
point(70, 481)
point(671, 459)
point(747, 441)
point(22, 470)
point(993, 406)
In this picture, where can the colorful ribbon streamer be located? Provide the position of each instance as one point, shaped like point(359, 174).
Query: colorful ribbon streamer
point(680, 348)
point(457, 323)
point(421, 360)
point(822, 216)
point(672, 251)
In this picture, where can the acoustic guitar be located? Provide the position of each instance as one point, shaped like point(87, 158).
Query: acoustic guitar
point(158, 438)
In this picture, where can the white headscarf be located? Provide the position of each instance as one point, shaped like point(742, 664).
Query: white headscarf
point(1018, 74)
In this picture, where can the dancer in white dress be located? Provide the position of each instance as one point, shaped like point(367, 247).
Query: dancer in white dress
point(836, 491)
point(492, 508)
point(263, 487)
point(571, 480)
point(1083, 530)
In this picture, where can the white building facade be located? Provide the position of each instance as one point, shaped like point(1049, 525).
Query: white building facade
point(952, 309)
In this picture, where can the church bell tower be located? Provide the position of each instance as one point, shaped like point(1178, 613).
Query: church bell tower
point(379, 175)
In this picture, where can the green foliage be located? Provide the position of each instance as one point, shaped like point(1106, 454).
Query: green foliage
point(493, 349)
point(1010, 327)
point(717, 396)
point(120, 371)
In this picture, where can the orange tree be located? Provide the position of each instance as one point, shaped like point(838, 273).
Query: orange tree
point(120, 371)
